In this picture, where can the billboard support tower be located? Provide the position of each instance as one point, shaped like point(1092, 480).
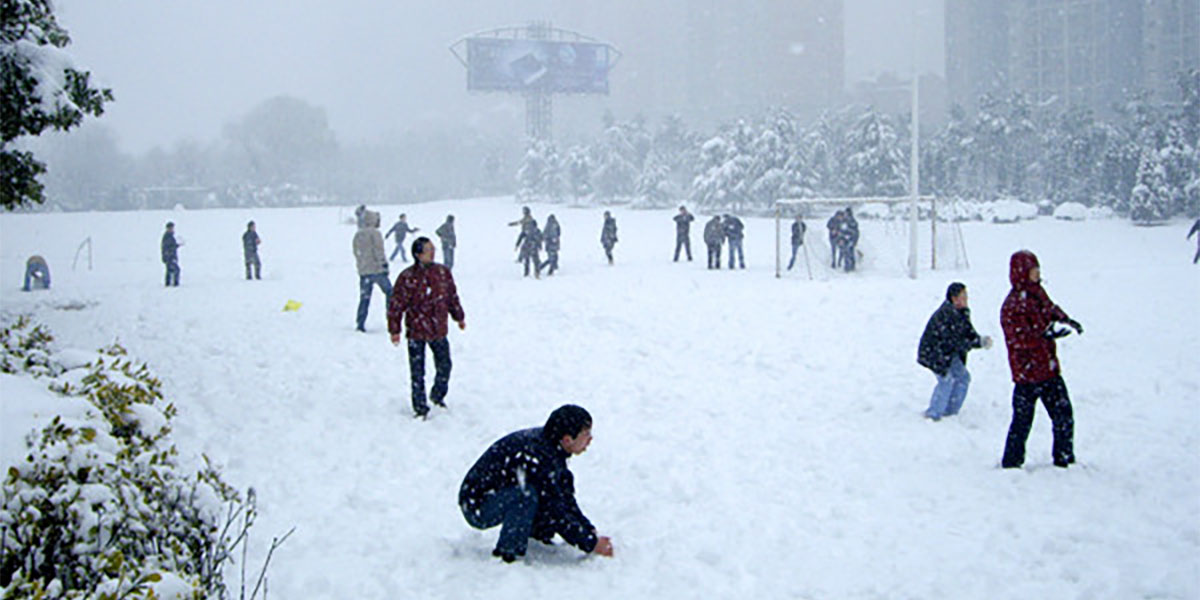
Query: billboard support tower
point(538, 61)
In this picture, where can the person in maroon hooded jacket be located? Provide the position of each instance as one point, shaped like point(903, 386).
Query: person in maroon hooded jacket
point(1028, 318)
point(422, 298)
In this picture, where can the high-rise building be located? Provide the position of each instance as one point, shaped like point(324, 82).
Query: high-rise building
point(1074, 52)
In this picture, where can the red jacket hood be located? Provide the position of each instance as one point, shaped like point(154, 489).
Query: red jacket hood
point(1022, 262)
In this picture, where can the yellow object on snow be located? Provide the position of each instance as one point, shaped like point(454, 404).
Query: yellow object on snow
point(291, 305)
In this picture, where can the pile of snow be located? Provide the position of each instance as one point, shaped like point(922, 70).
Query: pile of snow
point(1100, 212)
point(1071, 211)
point(1008, 210)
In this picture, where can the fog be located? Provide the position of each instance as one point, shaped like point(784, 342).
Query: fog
point(184, 70)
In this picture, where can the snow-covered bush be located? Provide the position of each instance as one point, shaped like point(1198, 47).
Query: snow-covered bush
point(101, 507)
point(1071, 211)
point(1008, 211)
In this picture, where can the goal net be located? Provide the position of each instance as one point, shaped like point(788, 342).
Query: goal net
point(891, 239)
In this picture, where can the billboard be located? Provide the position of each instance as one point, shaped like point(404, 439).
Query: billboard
point(513, 65)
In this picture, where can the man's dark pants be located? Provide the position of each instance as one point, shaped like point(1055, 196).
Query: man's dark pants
point(714, 256)
point(685, 242)
point(416, 369)
point(1053, 393)
point(172, 278)
point(514, 509)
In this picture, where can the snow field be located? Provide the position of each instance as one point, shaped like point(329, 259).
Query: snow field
point(753, 435)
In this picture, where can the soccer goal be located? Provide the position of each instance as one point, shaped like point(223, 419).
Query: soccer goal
point(890, 232)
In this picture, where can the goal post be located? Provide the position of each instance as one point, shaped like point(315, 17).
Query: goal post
point(889, 209)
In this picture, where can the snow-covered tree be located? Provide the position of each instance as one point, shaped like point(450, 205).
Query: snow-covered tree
point(616, 171)
point(875, 165)
point(532, 172)
point(654, 187)
point(1152, 197)
point(39, 89)
point(579, 173)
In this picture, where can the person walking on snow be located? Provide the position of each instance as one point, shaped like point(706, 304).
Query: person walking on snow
point(683, 232)
point(371, 260)
point(1028, 317)
point(422, 299)
point(530, 243)
point(250, 242)
point(714, 235)
point(608, 235)
point(526, 217)
point(170, 255)
point(734, 232)
point(400, 229)
point(522, 483)
point(1195, 229)
point(948, 337)
point(798, 229)
point(550, 237)
point(445, 233)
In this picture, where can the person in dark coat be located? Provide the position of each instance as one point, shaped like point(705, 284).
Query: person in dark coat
point(848, 239)
point(1194, 230)
point(551, 238)
point(608, 235)
point(798, 229)
point(834, 225)
point(943, 349)
point(170, 255)
point(1028, 317)
point(445, 233)
point(714, 235)
point(683, 232)
point(422, 299)
point(734, 233)
point(250, 242)
point(37, 273)
point(400, 229)
point(523, 484)
point(526, 216)
point(530, 243)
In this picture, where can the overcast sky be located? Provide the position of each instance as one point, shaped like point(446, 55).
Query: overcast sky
point(182, 68)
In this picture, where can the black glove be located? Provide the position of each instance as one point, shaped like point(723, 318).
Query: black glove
point(1052, 334)
point(1075, 325)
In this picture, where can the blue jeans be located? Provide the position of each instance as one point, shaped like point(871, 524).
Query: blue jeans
point(735, 245)
point(40, 276)
point(399, 250)
point(950, 391)
point(515, 509)
point(364, 293)
point(172, 277)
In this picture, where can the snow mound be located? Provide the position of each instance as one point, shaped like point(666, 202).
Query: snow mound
point(1008, 211)
point(1071, 211)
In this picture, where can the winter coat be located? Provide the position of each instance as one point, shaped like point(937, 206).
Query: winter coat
point(734, 229)
point(400, 229)
point(250, 244)
point(1026, 314)
point(798, 229)
point(608, 235)
point(530, 239)
point(368, 246)
point(551, 234)
point(714, 233)
point(948, 335)
point(847, 232)
point(528, 459)
point(170, 248)
point(683, 224)
point(445, 232)
point(424, 295)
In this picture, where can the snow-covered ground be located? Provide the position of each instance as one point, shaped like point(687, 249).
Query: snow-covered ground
point(754, 436)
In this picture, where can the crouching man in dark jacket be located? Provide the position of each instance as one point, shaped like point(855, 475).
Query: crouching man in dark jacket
point(943, 349)
point(522, 483)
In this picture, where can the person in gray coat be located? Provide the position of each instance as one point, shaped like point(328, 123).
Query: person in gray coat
point(401, 230)
point(371, 259)
point(714, 235)
point(250, 242)
point(445, 233)
point(608, 235)
point(530, 243)
point(550, 238)
point(798, 229)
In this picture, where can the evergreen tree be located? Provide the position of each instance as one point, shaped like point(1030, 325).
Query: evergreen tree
point(532, 172)
point(39, 89)
point(1152, 198)
point(875, 164)
point(615, 174)
point(579, 174)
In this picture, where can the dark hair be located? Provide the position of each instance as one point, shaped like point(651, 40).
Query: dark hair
point(418, 246)
point(567, 419)
point(170, 224)
point(955, 289)
point(250, 224)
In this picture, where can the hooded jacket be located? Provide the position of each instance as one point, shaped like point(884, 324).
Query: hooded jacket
point(369, 254)
point(1026, 314)
point(422, 298)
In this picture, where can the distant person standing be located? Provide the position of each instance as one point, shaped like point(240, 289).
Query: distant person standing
point(550, 237)
point(401, 230)
point(798, 229)
point(734, 233)
point(37, 273)
point(608, 235)
point(834, 225)
point(848, 239)
point(683, 232)
point(530, 243)
point(1028, 317)
point(948, 337)
point(250, 242)
point(421, 301)
point(1195, 229)
point(170, 255)
point(372, 263)
point(526, 217)
point(714, 235)
point(445, 233)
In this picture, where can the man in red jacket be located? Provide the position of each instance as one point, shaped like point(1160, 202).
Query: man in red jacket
point(423, 296)
point(1028, 317)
